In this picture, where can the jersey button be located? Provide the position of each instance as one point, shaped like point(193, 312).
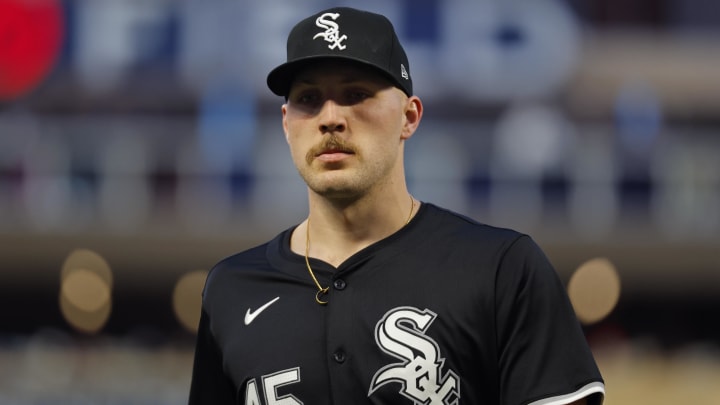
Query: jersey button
point(339, 356)
point(339, 284)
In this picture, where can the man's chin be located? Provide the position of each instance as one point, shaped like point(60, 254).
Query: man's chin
point(335, 190)
point(334, 193)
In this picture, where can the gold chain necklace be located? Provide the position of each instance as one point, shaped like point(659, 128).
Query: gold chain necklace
point(323, 290)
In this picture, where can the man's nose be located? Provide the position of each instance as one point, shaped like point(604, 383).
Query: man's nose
point(331, 117)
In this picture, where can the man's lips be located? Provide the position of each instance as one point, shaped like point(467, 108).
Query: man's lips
point(333, 155)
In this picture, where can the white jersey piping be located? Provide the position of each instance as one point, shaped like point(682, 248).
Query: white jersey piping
point(587, 390)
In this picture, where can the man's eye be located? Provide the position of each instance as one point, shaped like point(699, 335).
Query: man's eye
point(357, 96)
point(307, 98)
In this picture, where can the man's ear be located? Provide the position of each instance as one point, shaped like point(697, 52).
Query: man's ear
point(284, 120)
point(413, 115)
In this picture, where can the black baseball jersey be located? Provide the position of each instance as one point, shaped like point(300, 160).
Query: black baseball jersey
point(444, 311)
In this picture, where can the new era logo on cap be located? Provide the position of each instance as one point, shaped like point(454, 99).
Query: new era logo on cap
point(343, 33)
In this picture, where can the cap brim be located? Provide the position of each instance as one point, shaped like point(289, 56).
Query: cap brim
point(280, 79)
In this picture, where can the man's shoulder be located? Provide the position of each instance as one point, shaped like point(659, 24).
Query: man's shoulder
point(464, 227)
point(251, 259)
point(242, 258)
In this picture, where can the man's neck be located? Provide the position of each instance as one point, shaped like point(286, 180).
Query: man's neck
point(337, 231)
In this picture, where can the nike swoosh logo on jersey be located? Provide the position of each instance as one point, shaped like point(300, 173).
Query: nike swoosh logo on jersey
point(251, 315)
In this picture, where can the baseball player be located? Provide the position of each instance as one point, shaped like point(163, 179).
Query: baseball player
point(376, 297)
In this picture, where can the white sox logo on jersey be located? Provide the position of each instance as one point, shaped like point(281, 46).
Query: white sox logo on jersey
point(332, 30)
point(401, 333)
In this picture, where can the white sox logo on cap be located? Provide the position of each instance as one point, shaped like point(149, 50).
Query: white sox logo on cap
point(332, 30)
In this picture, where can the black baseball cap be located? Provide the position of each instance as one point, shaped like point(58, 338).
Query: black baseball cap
point(348, 34)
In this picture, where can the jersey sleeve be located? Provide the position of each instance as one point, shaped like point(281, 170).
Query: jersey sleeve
point(209, 384)
point(544, 357)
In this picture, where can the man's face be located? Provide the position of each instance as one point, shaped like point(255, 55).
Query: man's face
point(345, 125)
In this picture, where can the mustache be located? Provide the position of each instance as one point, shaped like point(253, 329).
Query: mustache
point(332, 143)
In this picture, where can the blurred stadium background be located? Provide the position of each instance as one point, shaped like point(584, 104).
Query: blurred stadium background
point(139, 145)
